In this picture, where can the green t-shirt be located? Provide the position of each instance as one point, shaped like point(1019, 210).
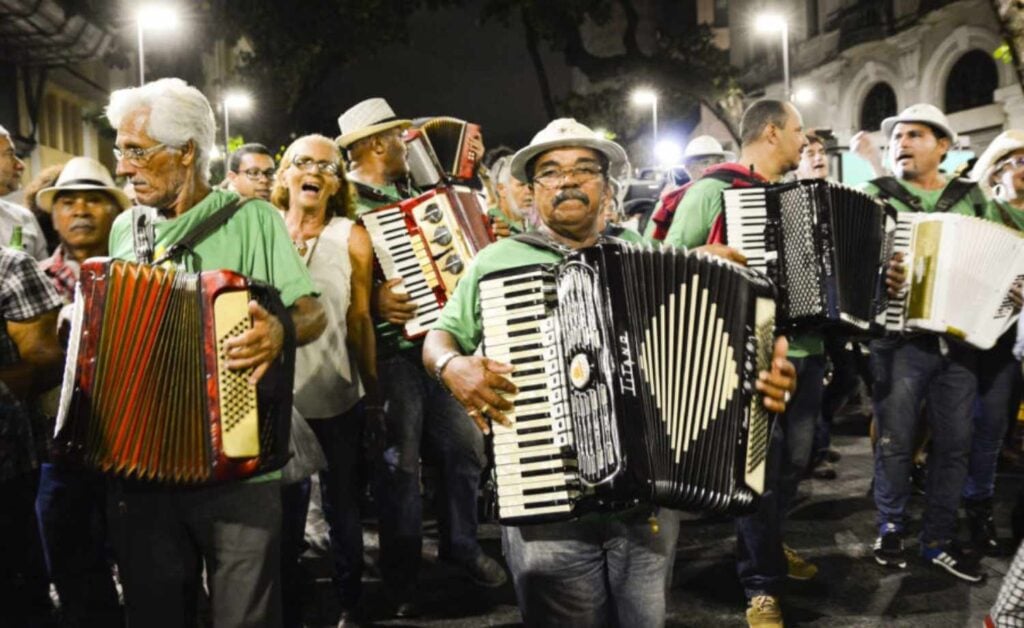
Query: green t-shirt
point(1003, 211)
point(514, 226)
point(461, 315)
point(624, 233)
point(929, 198)
point(390, 340)
point(254, 242)
point(691, 226)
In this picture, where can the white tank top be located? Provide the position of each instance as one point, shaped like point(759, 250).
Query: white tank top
point(326, 379)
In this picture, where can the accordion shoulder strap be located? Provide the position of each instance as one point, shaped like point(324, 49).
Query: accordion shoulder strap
point(955, 191)
point(540, 241)
point(201, 231)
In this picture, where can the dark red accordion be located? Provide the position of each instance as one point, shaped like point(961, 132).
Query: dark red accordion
point(146, 392)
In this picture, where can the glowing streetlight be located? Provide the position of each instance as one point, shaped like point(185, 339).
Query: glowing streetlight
point(644, 97)
point(775, 23)
point(239, 101)
point(803, 96)
point(154, 18)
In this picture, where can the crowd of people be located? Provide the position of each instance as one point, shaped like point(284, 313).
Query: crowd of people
point(379, 403)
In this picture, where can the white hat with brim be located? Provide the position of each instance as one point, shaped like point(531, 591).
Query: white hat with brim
point(706, 146)
point(1004, 144)
point(568, 133)
point(369, 117)
point(82, 174)
point(922, 113)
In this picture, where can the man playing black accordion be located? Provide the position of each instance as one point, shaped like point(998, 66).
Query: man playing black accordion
point(164, 534)
point(603, 567)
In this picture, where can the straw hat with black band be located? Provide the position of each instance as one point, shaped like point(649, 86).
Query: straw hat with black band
point(369, 117)
point(82, 174)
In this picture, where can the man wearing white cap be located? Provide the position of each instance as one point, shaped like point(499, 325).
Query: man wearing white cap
point(701, 153)
point(15, 216)
point(417, 410)
point(908, 370)
point(601, 569)
point(83, 203)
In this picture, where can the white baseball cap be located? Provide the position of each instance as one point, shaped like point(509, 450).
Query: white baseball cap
point(567, 132)
point(706, 146)
point(924, 114)
point(366, 118)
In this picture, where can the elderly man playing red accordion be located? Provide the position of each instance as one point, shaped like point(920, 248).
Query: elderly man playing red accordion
point(165, 534)
point(609, 567)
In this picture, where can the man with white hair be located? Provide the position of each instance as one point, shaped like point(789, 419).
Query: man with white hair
point(514, 197)
point(604, 568)
point(165, 534)
point(15, 216)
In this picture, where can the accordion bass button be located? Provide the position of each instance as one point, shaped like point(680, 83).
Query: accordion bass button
point(442, 236)
point(432, 213)
point(453, 264)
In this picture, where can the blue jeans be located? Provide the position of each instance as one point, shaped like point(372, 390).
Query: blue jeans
point(419, 409)
point(596, 571)
point(999, 386)
point(71, 508)
point(760, 562)
point(906, 373)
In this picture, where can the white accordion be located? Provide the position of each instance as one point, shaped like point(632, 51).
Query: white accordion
point(961, 270)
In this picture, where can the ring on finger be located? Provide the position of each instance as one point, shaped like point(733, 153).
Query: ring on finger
point(473, 413)
point(786, 396)
point(484, 409)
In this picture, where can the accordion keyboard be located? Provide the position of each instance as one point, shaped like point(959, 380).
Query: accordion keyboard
point(537, 471)
point(745, 222)
point(901, 239)
point(404, 255)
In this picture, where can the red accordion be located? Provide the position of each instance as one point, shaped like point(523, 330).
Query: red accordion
point(439, 151)
point(147, 394)
point(428, 242)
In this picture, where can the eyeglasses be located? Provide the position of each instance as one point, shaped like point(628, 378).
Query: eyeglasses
point(307, 164)
point(139, 156)
point(1013, 162)
point(552, 177)
point(254, 174)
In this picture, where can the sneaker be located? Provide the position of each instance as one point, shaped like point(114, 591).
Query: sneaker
point(798, 568)
point(485, 571)
point(764, 612)
point(950, 558)
point(889, 548)
point(825, 471)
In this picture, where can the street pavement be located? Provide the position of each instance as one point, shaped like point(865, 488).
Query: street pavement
point(832, 525)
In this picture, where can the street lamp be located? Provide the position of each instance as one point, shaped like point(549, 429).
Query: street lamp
point(152, 17)
point(775, 23)
point(649, 97)
point(803, 96)
point(668, 153)
point(240, 101)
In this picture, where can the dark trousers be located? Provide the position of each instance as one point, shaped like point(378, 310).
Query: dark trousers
point(908, 372)
point(420, 412)
point(294, 504)
point(71, 506)
point(24, 587)
point(760, 562)
point(164, 536)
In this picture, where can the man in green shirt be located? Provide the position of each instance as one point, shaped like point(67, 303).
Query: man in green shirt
point(416, 407)
point(911, 369)
point(594, 570)
point(164, 534)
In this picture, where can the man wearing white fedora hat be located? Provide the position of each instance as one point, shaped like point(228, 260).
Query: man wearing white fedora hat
point(15, 216)
point(606, 569)
point(909, 369)
point(418, 412)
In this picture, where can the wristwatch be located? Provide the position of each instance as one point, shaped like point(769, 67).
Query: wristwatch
point(443, 362)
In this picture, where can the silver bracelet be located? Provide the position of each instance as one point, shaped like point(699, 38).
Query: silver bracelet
point(443, 362)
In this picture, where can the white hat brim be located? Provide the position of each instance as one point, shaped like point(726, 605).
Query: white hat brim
point(889, 123)
point(726, 154)
point(617, 158)
point(347, 139)
point(45, 196)
point(1004, 144)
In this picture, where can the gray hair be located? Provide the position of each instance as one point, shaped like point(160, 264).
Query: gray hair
point(5, 133)
point(501, 170)
point(178, 113)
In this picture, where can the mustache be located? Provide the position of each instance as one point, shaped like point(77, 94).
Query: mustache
point(569, 195)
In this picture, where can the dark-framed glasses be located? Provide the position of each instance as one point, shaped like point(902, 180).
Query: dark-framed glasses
point(254, 174)
point(552, 177)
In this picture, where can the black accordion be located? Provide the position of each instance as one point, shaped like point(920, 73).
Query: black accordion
point(147, 394)
point(635, 371)
point(825, 246)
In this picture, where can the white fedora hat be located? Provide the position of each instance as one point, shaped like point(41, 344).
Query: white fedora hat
point(924, 114)
point(567, 132)
point(82, 174)
point(1004, 144)
point(367, 118)
point(706, 146)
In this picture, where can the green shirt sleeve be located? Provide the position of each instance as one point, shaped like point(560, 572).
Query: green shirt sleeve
point(696, 214)
point(461, 314)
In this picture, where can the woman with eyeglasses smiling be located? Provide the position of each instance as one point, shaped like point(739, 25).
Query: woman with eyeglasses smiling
point(332, 373)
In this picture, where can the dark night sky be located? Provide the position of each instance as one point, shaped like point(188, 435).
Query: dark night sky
point(454, 66)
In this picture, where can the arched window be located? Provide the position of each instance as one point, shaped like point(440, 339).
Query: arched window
point(879, 104)
point(971, 82)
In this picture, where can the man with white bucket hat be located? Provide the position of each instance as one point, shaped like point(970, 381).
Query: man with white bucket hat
point(606, 568)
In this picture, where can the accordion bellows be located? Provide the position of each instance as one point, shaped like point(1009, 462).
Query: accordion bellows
point(147, 394)
point(635, 371)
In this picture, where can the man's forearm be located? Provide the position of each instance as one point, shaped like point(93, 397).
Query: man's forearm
point(309, 320)
point(436, 345)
